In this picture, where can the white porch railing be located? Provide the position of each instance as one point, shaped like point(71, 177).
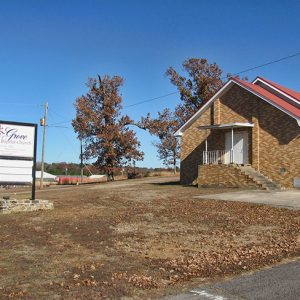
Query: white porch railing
point(214, 157)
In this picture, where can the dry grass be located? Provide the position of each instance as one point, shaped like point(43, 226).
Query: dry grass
point(138, 238)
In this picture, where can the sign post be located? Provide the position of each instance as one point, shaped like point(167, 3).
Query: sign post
point(18, 149)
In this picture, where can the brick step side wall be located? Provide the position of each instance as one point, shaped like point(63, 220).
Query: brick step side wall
point(266, 182)
point(224, 176)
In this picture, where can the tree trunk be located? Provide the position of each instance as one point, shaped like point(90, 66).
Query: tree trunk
point(110, 176)
point(174, 162)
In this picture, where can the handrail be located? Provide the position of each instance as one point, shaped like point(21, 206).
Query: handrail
point(214, 157)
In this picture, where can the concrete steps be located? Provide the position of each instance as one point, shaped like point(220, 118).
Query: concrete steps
point(261, 180)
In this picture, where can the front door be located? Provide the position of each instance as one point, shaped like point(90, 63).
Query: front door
point(240, 147)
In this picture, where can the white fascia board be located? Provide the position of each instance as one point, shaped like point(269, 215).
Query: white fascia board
point(298, 121)
point(275, 89)
point(267, 100)
point(240, 124)
point(228, 125)
point(246, 124)
point(180, 131)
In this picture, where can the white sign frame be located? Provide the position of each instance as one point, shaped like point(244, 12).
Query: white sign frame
point(18, 147)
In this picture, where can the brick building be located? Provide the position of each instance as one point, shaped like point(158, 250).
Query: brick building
point(247, 134)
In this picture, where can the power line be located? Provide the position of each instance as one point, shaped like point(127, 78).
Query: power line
point(235, 74)
point(56, 113)
point(53, 125)
point(60, 123)
point(67, 127)
point(151, 99)
point(126, 106)
point(268, 63)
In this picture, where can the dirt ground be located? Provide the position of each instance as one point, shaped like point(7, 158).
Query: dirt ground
point(137, 239)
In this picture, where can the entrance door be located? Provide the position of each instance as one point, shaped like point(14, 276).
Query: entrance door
point(240, 147)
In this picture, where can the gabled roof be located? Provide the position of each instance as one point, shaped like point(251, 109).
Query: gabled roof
point(295, 95)
point(280, 103)
point(292, 108)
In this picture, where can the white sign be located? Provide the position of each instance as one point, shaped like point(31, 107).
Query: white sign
point(16, 171)
point(17, 154)
point(16, 140)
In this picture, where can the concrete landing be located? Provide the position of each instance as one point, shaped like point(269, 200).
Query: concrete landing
point(288, 198)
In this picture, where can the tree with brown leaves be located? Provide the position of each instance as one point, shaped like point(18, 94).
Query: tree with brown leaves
point(104, 131)
point(163, 127)
point(203, 81)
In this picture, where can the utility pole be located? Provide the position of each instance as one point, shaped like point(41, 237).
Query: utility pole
point(81, 161)
point(43, 123)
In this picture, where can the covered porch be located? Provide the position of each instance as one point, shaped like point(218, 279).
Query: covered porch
point(232, 144)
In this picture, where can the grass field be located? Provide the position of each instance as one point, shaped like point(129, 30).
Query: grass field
point(137, 239)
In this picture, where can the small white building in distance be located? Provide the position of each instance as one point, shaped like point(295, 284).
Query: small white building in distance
point(47, 176)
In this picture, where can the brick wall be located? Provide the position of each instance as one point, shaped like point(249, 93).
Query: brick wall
point(223, 176)
point(192, 146)
point(274, 141)
point(277, 153)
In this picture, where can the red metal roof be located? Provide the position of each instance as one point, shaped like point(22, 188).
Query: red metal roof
point(277, 101)
point(291, 93)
